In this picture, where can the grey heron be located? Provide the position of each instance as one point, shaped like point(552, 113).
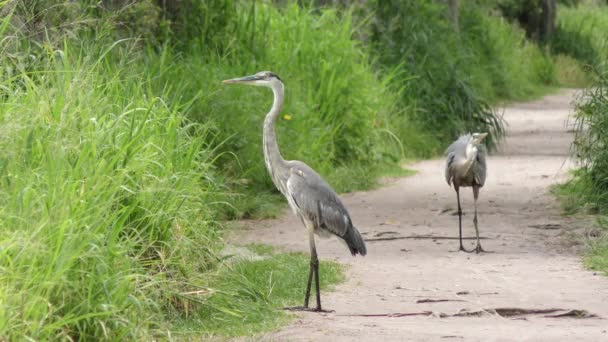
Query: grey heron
point(466, 167)
point(309, 196)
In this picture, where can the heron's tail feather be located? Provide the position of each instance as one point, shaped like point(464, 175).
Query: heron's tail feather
point(355, 242)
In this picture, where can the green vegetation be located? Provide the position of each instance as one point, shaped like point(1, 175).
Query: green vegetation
point(450, 80)
point(105, 216)
point(597, 257)
point(122, 153)
point(254, 292)
point(581, 35)
point(580, 43)
point(587, 190)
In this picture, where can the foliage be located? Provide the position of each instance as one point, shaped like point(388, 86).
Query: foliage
point(121, 150)
point(581, 34)
point(254, 292)
point(587, 190)
point(106, 193)
point(338, 113)
point(448, 78)
point(527, 13)
point(571, 73)
point(110, 181)
point(597, 257)
point(498, 50)
point(591, 180)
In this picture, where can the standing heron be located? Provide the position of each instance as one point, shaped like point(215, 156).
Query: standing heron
point(466, 166)
point(308, 195)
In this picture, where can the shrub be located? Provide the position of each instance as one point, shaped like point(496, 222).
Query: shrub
point(581, 34)
point(105, 198)
point(590, 147)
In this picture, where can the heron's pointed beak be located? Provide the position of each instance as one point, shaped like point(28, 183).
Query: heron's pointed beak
point(479, 138)
point(242, 80)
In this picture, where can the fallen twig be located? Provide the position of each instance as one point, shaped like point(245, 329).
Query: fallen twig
point(427, 300)
point(397, 314)
point(432, 237)
point(575, 314)
point(514, 313)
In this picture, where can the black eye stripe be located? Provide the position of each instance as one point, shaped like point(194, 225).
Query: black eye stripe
point(270, 74)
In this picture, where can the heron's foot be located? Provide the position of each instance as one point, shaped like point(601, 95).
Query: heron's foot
point(462, 249)
point(478, 250)
point(305, 308)
point(297, 308)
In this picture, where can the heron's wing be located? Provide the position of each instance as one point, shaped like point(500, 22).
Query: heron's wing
point(455, 149)
point(480, 166)
point(448, 167)
point(316, 200)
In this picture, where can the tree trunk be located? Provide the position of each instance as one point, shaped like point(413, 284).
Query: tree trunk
point(453, 7)
point(547, 25)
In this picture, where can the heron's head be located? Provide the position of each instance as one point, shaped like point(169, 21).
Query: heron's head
point(262, 78)
point(477, 138)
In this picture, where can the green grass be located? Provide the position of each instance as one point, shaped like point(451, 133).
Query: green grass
point(581, 34)
point(251, 294)
point(450, 80)
point(597, 256)
point(105, 214)
point(571, 73)
point(340, 116)
point(119, 158)
point(587, 189)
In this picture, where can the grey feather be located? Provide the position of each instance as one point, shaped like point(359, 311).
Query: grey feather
point(456, 170)
point(308, 195)
point(314, 200)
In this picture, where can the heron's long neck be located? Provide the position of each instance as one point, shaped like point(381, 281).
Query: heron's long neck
point(272, 156)
point(471, 155)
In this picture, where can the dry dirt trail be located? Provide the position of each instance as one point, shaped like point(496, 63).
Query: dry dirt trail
point(531, 267)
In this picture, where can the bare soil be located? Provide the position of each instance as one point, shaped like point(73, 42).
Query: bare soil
point(414, 286)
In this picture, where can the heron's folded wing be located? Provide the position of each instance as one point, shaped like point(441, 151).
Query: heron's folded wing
point(318, 202)
point(480, 166)
point(448, 167)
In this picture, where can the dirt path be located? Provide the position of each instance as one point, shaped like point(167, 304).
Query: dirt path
point(532, 267)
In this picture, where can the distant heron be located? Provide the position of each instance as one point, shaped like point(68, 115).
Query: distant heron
point(308, 195)
point(466, 166)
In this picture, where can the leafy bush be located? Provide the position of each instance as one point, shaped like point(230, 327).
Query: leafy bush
point(339, 114)
point(506, 65)
point(581, 34)
point(106, 193)
point(450, 79)
point(587, 190)
point(590, 148)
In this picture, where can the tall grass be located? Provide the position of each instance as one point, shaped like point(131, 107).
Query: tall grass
point(109, 170)
point(590, 182)
point(118, 156)
point(581, 34)
point(339, 114)
point(503, 64)
point(450, 79)
point(105, 213)
point(587, 190)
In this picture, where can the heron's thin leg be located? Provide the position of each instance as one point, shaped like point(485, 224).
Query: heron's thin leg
point(459, 219)
point(316, 265)
point(475, 196)
point(312, 269)
point(308, 285)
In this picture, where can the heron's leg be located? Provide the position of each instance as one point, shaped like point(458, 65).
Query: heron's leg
point(308, 285)
point(316, 266)
point(459, 219)
point(478, 248)
point(314, 269)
